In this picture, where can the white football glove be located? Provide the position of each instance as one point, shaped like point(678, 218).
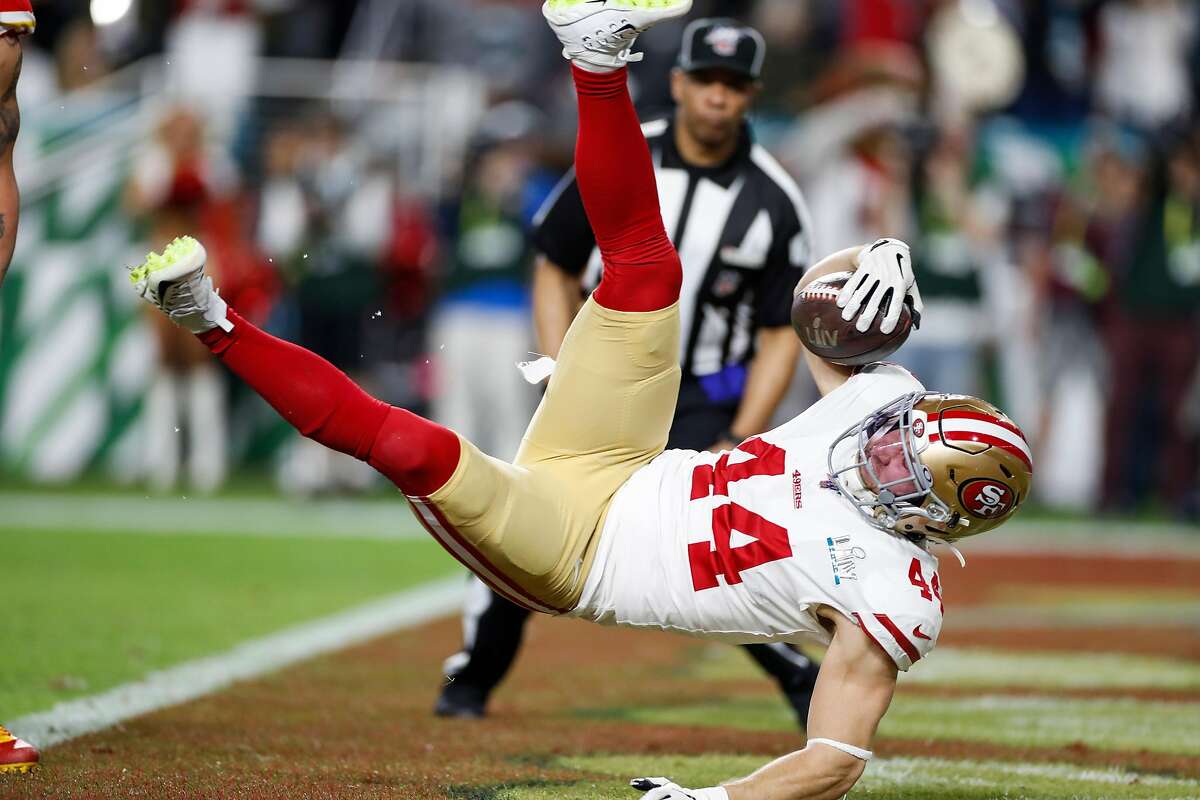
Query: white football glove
point(885, 265)
point(663, 789)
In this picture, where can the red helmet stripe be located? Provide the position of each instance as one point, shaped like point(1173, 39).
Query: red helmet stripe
point(983, 438)
point(978, 416)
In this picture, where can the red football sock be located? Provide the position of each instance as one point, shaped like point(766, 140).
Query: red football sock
point(323, 403)
point(616, 180)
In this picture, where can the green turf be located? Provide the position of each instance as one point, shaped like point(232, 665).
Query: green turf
point(886, 779)
point(993, 668)
point(1017, 721)
point(982, 668)
point(84, 612)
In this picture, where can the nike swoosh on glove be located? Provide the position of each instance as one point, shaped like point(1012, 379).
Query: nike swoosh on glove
point(664, 789)
point(885, 266)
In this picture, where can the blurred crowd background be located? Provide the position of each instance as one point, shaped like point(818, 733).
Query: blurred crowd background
point(365, 172)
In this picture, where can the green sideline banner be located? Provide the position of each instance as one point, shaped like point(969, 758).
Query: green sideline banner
point(73, 360)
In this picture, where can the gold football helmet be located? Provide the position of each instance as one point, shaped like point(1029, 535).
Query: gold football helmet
point(939, 465)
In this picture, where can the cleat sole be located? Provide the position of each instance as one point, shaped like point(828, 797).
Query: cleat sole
point(18, 769)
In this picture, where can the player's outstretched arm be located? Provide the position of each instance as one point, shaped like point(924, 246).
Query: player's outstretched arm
point(10, 126)
point(854, 690)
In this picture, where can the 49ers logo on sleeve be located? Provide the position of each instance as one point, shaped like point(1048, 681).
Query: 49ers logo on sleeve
point(986, 498)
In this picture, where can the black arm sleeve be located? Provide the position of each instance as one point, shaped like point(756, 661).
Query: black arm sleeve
point(561, 231)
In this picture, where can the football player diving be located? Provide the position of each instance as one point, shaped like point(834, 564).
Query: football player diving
point(817, 532)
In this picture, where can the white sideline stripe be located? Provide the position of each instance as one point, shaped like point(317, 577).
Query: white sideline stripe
point(265, 517)
point(194, 679)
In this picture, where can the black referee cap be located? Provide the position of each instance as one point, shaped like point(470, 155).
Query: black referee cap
point(722, 43)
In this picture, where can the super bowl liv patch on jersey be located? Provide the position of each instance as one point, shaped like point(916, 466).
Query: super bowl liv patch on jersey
point(844, 557)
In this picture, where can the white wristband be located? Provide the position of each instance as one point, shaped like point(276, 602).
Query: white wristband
point(848, 749)
point(715, 793)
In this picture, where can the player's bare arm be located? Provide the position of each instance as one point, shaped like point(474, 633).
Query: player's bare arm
point(10, 126)
point(557, 297)
point(771, 373)
point(854, 690)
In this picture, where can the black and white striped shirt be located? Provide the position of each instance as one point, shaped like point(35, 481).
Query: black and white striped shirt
point(743, 235)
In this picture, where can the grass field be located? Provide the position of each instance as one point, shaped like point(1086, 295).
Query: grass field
point(1069, 673)
point(91, 609)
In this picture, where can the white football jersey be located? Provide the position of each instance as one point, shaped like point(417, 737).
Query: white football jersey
point(745, 546)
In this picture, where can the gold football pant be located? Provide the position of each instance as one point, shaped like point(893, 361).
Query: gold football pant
point(530, 528)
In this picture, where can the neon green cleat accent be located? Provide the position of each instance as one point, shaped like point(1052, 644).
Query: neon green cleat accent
point(176, 251)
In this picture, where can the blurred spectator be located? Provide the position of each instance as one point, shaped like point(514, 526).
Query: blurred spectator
point(800, 35)
point(481, 327)
point(956, 237)
point(1055, 37)
point(325, 222)
point(175, 181)
point(1084, 234)
point(212, 50)
point(1143, 71)
point(1153, 339)
point(80, 61)
point(857, 165)
point(397, 349)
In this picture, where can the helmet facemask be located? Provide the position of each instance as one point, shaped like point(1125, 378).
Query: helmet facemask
point(877, 466)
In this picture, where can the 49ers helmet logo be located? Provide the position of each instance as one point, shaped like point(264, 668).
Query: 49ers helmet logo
point(986, 498)
point(918, 428)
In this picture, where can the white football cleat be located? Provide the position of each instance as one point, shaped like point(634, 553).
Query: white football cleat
point(598, 35)
point(175, 282)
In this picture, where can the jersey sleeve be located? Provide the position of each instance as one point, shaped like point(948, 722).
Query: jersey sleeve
point(900, 607)
point(561, 230)
point(905, 636)
point(881, 382)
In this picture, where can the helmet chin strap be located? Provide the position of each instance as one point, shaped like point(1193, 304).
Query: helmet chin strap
point(962, 562)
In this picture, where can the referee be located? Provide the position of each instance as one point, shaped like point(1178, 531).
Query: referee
point(743, 235)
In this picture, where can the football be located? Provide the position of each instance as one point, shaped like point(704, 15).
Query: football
point(818, 321)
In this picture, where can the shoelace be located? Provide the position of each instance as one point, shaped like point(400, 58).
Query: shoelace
point(181, 298)
point(609, 37)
